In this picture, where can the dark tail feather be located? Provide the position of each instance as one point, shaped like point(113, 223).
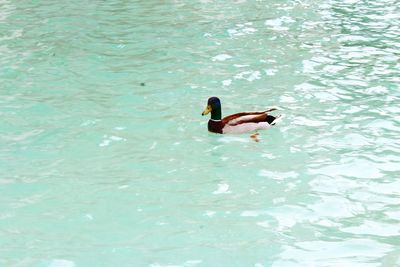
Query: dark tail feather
point(270, 119)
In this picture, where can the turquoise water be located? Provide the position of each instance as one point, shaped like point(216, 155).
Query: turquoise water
point(98, 169)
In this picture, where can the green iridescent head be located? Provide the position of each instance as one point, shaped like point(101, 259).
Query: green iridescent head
point(213, 106)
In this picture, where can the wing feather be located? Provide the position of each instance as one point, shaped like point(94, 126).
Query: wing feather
point(245, 117)
point(235, 116)
point(249, 119)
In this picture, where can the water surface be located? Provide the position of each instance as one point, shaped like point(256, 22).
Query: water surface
point(106, 161)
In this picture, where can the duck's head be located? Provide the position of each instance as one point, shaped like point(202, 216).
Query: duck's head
point(213, 106)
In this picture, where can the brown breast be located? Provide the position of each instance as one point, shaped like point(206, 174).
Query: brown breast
point(215, 126)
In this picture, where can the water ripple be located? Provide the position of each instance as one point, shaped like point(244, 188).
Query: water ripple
point(101, 135)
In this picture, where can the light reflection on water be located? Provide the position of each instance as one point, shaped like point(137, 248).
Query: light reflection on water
point(106, 161)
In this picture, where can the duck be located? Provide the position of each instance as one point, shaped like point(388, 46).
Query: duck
point(241, 122)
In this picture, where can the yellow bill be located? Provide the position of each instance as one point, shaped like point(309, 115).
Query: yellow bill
point(207, 110)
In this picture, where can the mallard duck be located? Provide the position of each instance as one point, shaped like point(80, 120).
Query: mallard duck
point(239, 122)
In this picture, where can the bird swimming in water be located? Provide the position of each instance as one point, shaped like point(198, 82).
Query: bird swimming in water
point(239, 122)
